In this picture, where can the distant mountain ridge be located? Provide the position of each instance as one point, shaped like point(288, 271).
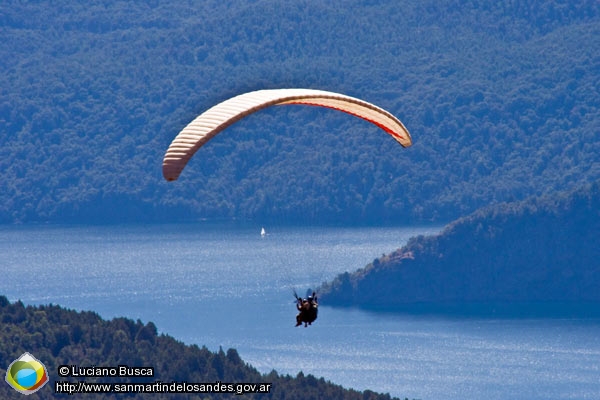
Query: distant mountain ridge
point(543, 254)
point(501, 99)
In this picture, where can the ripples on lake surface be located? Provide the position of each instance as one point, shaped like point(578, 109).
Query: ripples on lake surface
point(224, 285)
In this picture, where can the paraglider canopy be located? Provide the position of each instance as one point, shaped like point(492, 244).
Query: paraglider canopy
point(214, 120)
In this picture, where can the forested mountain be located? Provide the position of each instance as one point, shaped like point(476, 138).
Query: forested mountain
point(501, 98)
point(57, 336)
point(541, 255)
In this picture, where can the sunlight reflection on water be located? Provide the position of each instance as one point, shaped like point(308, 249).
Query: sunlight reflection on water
point(227, 286)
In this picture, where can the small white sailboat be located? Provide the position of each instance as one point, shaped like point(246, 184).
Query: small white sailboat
point(263, 233)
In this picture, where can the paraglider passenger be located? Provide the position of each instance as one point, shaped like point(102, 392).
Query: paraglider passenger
point(307, 310)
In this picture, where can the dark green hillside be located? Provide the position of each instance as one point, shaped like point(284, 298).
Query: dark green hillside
point(501, 98)
point(542, 252)
point(56, 337)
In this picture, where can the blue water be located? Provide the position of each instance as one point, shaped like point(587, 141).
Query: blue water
point(219, 285)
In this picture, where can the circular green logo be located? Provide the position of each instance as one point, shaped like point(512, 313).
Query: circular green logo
point(26, 374)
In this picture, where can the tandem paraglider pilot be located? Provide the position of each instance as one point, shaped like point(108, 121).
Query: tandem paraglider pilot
point(308, 308)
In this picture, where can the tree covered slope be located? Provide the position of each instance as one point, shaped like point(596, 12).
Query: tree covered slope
point(57, 336)
point(541, 252)
point(501, 99)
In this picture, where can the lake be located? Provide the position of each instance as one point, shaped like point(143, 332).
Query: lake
point(225, 285)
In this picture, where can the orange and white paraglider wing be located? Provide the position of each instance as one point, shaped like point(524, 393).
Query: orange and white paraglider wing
point(214, 120)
